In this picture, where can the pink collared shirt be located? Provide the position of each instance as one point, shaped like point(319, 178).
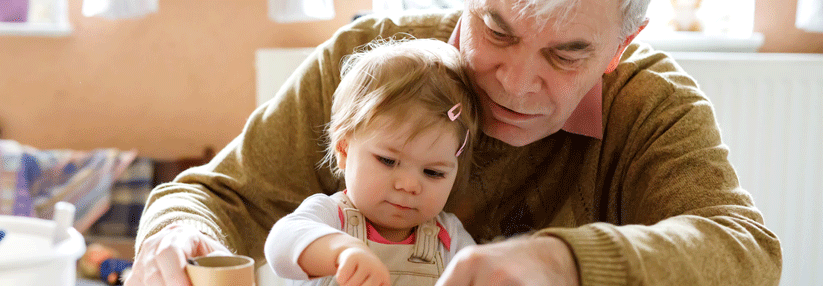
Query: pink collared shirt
point(587, 118)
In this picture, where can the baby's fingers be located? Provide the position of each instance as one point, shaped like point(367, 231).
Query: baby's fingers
point(358, 277)
point(345, 272)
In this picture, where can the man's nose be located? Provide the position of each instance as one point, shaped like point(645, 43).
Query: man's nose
point(405, 181)
point(518, 76)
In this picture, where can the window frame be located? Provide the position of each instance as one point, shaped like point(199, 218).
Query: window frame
point(58, 27)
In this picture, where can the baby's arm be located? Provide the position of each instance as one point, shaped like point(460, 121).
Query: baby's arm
point(309, 243)
point(316, 217)
point(346, 257)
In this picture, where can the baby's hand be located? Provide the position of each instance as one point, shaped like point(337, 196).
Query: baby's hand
point(358, 266)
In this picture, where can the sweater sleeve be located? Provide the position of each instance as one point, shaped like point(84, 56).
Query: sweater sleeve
point(683, 219)
point(264, 173)
point(272, 166)
point(314, 218)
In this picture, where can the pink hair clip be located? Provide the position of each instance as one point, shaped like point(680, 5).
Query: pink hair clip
point(453, 116)
point(464, 144)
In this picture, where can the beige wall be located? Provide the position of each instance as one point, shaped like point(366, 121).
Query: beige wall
point(775, 19)
point(175, 82)
point(168, 85)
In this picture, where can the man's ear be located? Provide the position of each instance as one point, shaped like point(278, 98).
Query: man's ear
point(341, 152)
point(454, 39)
point(616, 59)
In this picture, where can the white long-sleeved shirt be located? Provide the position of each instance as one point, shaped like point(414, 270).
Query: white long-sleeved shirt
point(318, 216)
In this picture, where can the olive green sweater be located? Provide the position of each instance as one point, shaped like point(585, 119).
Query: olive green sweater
point(655, 202)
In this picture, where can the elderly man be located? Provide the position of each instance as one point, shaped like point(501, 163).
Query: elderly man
point(601, 162)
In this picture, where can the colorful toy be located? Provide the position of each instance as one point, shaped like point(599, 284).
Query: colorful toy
point(99, 262)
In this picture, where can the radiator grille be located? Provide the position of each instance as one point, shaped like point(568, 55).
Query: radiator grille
point(770, 111)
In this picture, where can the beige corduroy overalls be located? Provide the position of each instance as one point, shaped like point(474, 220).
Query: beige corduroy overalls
point(409, 264)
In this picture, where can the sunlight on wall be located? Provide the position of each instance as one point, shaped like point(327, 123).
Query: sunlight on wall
point(727, 17)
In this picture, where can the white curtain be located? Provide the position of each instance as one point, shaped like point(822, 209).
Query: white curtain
point(809, 15)
point(119, 9)
point(291, 11)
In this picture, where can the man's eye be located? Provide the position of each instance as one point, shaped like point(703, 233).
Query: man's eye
point(499, 36)
point(566, 62)
point(434, 174)
point(386, 161)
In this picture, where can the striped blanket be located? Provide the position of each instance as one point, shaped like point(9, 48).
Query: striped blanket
point(102, 183)
point(128, 197)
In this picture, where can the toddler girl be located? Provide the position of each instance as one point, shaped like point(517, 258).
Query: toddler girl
point(400, 134)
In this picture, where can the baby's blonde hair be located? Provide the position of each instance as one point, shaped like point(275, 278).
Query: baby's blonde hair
point(394, 77)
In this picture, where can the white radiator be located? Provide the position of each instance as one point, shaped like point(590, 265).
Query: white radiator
point(770, 111)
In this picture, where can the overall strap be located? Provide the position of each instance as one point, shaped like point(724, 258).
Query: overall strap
point(354, 223)
point(426, 242)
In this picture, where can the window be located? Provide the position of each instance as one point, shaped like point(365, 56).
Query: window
point(400, 5)
point(34, 17)
point(726, 26)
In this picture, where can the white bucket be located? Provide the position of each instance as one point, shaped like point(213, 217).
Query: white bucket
point(40, 252)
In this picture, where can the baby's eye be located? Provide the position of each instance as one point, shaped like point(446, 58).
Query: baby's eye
point(434, 174)
point(386, 161)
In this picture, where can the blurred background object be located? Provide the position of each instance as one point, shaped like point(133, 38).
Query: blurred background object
point(810, 15)
point(119, 9)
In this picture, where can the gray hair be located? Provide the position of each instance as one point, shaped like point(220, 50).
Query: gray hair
point(633, 11)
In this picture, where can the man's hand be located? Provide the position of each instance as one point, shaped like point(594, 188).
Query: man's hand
point(358, 266)
point(524, 261)
point(162, 257)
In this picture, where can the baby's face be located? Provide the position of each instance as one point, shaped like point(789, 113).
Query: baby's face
point(398, 183)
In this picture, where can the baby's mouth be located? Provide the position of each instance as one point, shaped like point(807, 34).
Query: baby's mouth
point(400, 206)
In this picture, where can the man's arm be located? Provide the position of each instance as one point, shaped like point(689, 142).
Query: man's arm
point(261, 175)
point(271, 167)
point(266, 171)
point(673, 211)
point(674, 200)
point(680, 207)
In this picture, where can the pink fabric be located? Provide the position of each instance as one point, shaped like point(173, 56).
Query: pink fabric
point(587, 119)
point(444, 237)
point(340, 214)
point(373, 235)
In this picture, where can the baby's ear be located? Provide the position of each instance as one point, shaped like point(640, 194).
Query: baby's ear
point(341, 152)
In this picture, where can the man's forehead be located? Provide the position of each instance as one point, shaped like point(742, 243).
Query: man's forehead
point(547, 8)
point(572, 30)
